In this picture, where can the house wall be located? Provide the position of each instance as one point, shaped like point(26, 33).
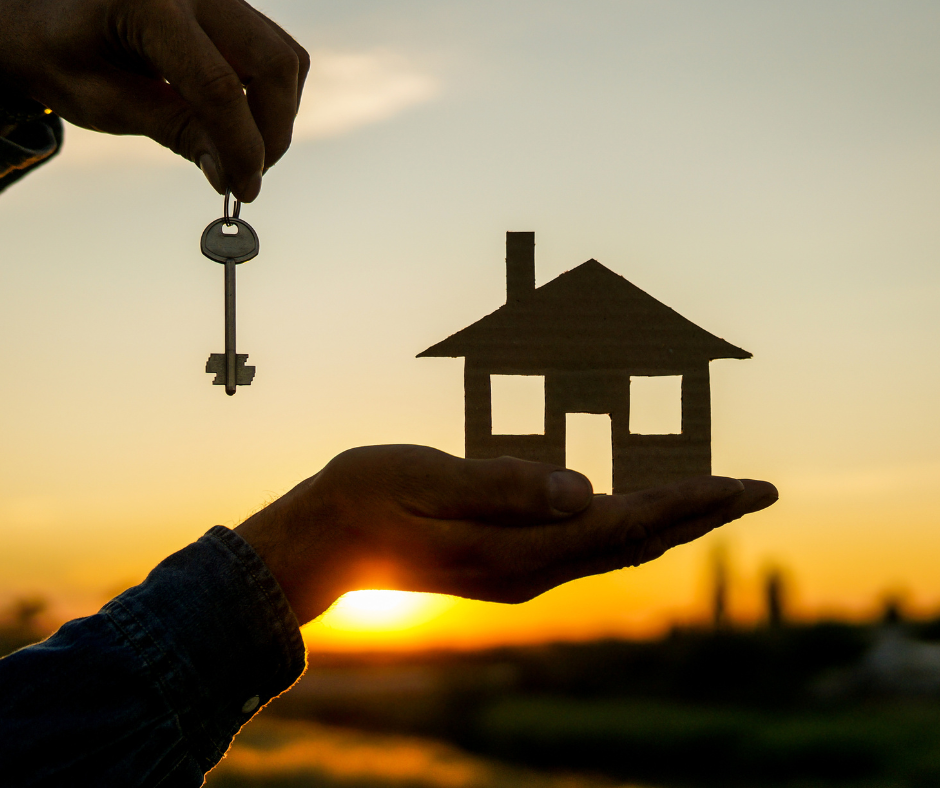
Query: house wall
point(639, 461)
point(478, 414)
point(643, 461)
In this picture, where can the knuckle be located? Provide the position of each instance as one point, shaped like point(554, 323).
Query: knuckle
point(138, 18)
point(282, 65)
point(512, 480)
point(516, 596)
point(254, 153)
point(161, 7)
point(504, 590)
point(645, 551)
point(349, 463)
point(527, 587)
point(504, 465)
point(220, 87)
point(303, 62)
point(176, 133)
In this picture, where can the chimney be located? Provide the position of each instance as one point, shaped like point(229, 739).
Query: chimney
point(520, 266)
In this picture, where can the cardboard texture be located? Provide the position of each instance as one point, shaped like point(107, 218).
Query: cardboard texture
point(587, 332)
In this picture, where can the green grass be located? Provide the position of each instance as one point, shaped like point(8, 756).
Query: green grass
point(872, 745)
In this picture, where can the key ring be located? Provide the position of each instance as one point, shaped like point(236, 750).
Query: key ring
point(238, 208)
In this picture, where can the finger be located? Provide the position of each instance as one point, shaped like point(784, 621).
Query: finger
point(132, 104)
point(759, 495)
point(265, 63)
point(633, 529)
point(756, 495)
point(189, 60)
point(303, 58)
point(514, 565)
point(652, 509)
point(434, 484)
point(617, 531)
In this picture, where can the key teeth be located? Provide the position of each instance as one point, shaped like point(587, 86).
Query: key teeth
point(243, 373)
point(216, 364)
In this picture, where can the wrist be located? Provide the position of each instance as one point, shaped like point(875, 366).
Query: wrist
point(307, 569)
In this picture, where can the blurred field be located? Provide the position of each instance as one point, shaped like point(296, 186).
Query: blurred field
point(781, 705)
point(827, 705)
point(876, 747)
point(870, 746)
point(273, 753)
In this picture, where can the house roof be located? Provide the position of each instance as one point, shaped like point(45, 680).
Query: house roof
point(588, 317)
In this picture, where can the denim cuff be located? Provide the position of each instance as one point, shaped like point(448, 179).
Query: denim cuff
point(28, 145)
point(218, 636)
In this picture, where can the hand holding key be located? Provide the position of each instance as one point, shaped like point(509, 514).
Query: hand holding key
point(230, 241)
point(214, 80)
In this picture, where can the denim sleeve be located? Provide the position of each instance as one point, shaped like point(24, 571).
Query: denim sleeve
point(28, 145)
point(152, 689)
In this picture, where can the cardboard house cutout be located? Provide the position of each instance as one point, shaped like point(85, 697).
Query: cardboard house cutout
point(587, 332)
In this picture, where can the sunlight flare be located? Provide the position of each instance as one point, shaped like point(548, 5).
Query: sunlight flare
point(384, 611)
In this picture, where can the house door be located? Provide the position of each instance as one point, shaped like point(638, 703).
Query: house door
point(589, 449)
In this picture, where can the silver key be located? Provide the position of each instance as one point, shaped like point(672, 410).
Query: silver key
point(230, 241)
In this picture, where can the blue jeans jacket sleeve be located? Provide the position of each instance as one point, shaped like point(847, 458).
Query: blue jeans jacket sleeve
point(152, 689)
point(27, 146)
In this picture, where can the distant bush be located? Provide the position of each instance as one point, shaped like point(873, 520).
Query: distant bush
point(717, 745)
point(21, 624)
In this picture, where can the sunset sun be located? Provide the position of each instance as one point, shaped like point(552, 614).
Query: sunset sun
point(380, 610)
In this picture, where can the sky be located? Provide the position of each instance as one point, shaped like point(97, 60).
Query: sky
point(769, 170)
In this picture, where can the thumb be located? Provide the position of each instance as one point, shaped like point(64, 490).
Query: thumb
point(505, 490)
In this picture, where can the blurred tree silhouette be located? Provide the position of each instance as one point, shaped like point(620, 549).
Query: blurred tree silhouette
point(21, 624)
point(720, 618)
point(776, 598)
point(893, 610)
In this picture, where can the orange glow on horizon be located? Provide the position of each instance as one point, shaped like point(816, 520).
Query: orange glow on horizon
point(383, 611)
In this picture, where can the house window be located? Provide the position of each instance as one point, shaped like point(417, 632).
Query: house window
point(588, 448)
point(656, 405)
point(518, 403)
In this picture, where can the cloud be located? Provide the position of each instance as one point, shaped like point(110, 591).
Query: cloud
point(86, 149)
point(344, 91)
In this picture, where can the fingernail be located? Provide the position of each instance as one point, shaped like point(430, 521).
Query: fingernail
point(767, 495)
point(211, 171)
point(730, 486)
point(569, 491)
